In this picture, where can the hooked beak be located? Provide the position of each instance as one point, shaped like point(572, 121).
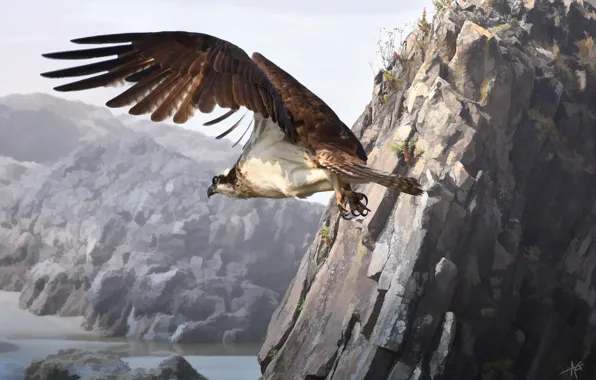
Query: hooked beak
point(210, 191)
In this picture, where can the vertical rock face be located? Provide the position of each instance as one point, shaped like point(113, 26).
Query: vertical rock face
point(489, 274)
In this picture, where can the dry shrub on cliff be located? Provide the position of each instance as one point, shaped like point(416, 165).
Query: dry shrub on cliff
point(587, 54)
point(389, 45)
point(423, 24)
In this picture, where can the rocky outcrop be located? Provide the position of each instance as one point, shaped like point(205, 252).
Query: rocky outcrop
point(120, 230)
point(490, 274)
point(76, 364)
point(43, 129)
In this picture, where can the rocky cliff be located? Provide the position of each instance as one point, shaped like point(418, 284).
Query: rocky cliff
point(490, 274)
point(112, 221)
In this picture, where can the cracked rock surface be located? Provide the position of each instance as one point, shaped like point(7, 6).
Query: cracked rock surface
point(489, 274)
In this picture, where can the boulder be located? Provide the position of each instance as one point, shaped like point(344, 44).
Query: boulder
point(75, 364)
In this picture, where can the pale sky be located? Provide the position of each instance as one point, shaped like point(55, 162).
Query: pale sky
point(325, 44)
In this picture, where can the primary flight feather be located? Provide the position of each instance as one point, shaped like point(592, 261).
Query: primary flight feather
point(298, 145)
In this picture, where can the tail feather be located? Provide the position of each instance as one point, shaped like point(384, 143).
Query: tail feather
point(408, 185)
point(352, 170)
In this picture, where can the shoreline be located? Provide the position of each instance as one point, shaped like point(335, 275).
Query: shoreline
point(25, 337)
point(16, 323)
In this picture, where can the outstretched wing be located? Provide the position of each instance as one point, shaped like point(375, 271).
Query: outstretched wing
point(175, 73)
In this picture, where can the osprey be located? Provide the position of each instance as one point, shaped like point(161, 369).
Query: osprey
point(298, 145)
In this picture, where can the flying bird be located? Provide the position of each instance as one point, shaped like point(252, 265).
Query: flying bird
point(298, 146)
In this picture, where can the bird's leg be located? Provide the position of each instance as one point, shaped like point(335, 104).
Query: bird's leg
point(357, 205)
point(340, 199)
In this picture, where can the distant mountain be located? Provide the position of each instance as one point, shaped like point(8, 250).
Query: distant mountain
point(109, 218)
point(42, 128)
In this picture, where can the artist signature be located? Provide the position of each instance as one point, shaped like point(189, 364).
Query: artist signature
point(574, 369)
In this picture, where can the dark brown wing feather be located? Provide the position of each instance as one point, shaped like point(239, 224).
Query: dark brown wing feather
point(175, 73)
point(317, 126)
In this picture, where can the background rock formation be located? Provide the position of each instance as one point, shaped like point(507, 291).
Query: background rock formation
point(490, 274)
point(78, 364)
point(111, 221)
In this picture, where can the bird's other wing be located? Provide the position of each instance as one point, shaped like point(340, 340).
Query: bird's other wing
point(174, 73)
point(317, 125)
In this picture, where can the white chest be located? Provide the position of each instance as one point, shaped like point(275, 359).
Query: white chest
point(274, 168)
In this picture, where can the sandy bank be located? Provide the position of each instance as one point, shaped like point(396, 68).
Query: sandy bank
point(16, 323)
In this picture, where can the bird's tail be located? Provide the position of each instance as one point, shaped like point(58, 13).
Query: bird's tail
point(362, 173)
point(406, 185)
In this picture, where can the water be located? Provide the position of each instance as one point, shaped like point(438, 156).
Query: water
point(212, 367)
point(216, 362)
point(25, 337)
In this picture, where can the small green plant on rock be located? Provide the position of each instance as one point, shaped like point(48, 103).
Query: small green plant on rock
point(300, 304)
point(272, 353)
point(407, 150)
point(508, 23)
point(362, 249)
point(393, 82)
point(388, 76)
point(511, 20)
point(398, 147)
point(325, 235)
point(500, 28)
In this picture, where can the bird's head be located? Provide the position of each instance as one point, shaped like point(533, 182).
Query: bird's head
point(224, 183)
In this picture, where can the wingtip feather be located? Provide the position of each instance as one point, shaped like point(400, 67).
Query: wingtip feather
point(108, 38)
point(112, 104)
point(63, 88)
point(84, 40)
point(55, 55)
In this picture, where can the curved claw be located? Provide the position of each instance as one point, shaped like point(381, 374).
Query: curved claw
point(364, 213)
point(363, 196)
point(346, 216)
point(355, 213)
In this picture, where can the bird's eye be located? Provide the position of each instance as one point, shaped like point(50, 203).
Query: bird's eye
point(215, 180)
